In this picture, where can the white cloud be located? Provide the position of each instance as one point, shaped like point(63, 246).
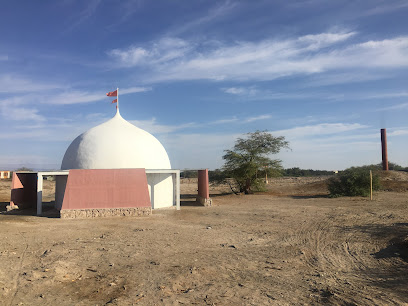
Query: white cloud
point(3, 57)
point(29, 134)
point(387, 95)
point(318, 41)
point(51, 129)
point(251, 93)
point(152, 126)
point(9, 109)
point(240, 90)
point(19, 108)
point(19, 100)
point(24, 114)
point(130, 90)
point(66, 97)
point(394, 107)
point(388, 53)
point(234, 90)
point(386, 8)
point(217, 12)
point(344, 77)
point(257, 118)
point(74, 97)
point(263, 60)
point(163, 51)
point(224, 121)
point(78, 96)
point(12, 84)
point(319, 129)
point(397, 132)
point(80, 16)
point(176, 58)
point(132, 56)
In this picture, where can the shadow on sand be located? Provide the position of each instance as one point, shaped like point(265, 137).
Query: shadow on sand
point(190, 199)
point(314, 196)
point(48, 210)
point(396, 238)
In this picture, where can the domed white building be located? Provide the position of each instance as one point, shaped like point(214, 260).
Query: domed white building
point(118, 144)
point(115, 144)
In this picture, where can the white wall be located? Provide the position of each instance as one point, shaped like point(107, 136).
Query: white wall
point(161, 189)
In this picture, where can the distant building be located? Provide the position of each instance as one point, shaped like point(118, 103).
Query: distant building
point(4, 174)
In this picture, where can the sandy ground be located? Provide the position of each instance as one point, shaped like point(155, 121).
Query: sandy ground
point(289, 246)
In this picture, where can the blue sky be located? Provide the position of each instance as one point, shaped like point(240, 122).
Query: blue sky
point(327, 75)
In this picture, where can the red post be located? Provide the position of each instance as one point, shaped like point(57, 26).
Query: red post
point(384, 149)
point(203, 184)
point(203, 196)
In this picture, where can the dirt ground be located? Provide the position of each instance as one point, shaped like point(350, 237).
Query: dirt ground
point(291, 245)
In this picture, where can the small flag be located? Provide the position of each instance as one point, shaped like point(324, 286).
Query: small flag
point(112, 93)
point(115, 101)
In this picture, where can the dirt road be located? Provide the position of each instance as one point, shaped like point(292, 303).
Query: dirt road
point(277, 248)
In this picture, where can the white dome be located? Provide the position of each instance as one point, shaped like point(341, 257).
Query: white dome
point(115, 144)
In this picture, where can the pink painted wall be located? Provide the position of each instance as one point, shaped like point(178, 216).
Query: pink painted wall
point(24, 190)
point(203, 185)
point(106, 188)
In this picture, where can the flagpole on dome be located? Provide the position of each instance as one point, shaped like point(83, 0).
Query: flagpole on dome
point(115, 94)
point(117, 97)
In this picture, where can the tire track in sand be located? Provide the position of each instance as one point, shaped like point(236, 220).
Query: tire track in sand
point(16, 280)
point(335, 266)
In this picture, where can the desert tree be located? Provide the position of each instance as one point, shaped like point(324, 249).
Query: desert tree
point(251, 156)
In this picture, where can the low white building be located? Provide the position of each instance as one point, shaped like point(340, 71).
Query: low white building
point(4, 174)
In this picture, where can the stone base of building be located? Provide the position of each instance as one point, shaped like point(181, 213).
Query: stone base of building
point(204, 201)
point(105, 212)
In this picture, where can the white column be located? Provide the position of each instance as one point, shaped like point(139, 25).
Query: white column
point(39, 193)
point(152, 192)
point(178, 190)
point(174, 182)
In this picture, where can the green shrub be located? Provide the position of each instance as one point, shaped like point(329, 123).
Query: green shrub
point(353, 182)
point(297, 172)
